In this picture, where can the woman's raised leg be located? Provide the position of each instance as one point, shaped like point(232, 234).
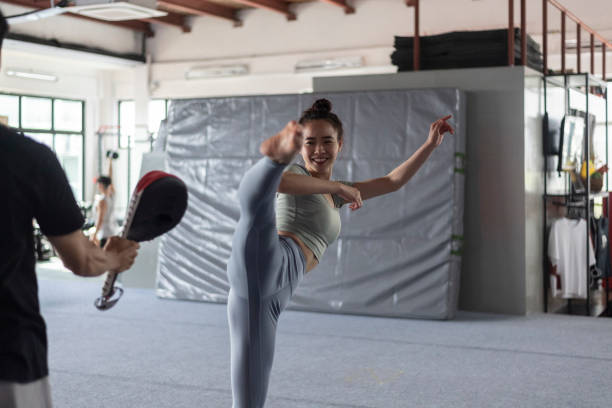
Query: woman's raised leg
point(254, 271)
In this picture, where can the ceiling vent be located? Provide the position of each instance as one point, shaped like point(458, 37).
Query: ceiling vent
point(110, 10)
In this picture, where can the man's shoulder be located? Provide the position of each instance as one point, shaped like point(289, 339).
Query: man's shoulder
point(21, 147)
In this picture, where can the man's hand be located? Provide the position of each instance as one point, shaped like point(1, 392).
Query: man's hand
point(351, 195)
point(437, 131)
point(123, 250)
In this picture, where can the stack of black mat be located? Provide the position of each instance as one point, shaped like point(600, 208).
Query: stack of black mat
point(465, 49)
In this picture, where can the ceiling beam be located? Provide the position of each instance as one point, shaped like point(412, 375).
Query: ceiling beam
point(201, 8)
point(134, 25)
point(341, 3)
point(172, 19)
point(131, 25)
point(274, 5)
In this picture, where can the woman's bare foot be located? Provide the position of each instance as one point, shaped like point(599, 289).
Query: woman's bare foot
point(283, 146)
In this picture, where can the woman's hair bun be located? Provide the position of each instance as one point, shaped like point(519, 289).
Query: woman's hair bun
point(321, 110)
point(322, 106)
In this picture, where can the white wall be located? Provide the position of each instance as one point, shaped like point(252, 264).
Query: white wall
point(271, 46)
point(319, 27)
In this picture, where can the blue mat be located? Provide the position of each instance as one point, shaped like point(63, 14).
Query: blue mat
point(149, 352)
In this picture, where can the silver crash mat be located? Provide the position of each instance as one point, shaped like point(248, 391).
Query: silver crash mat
point(399, 255)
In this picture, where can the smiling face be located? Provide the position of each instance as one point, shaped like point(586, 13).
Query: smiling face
point(321, 147)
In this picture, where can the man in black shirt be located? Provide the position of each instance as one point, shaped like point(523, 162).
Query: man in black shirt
point(33, 185)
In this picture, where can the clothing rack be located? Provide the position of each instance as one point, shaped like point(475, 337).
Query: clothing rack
point(585, 84)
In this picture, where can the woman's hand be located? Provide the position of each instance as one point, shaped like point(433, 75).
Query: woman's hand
point(437, 131)
point(351, 195)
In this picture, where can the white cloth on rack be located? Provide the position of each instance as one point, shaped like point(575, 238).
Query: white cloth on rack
point(567, 251)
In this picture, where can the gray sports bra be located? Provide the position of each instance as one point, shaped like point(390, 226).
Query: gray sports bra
point(309, 216)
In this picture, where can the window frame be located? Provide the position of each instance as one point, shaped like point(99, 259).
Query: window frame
point(52, 130)
point(129, 137)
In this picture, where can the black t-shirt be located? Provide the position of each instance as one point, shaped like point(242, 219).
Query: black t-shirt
point(32, 185)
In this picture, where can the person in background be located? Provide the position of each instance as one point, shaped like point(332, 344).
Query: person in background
point(34, 185)
point(106, 222)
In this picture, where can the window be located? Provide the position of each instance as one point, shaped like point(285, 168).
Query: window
point(55, 122)
point(137, 146)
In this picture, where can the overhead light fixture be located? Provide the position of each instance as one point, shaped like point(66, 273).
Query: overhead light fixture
point(109, 10)
point(328, 64)
point(117, 10)
point(29, 74)
point(217, 71)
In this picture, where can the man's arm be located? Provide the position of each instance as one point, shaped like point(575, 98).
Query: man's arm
point(84, 258)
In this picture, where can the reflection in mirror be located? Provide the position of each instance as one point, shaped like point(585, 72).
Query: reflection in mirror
point(573, 132)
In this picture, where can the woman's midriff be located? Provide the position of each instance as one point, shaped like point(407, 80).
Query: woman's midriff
point(311, 260)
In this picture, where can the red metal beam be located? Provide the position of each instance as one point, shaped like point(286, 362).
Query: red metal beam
point(593, 57)
point(417, 35)
point(578, 49)
point(172, 19)
point(545, 35)
point(341, 3)
point(603, 61)
point(563, 42)
point(273, 5)
point(133, 25)
point(511, 32)
point(201, 8)
point(523, 33)
point(416, 49)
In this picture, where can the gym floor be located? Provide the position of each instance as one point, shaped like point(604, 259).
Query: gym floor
point(151, 352)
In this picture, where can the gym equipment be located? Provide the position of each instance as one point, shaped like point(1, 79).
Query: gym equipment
point(156, 206)
point(397, 256)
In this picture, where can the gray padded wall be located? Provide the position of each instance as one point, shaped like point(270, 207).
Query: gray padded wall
point(396, 256)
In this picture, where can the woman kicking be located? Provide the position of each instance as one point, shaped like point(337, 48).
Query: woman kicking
point(272, 250)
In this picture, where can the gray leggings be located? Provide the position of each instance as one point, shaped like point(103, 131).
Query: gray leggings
point(263, 270)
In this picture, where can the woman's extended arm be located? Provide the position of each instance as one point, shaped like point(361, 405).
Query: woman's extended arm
point(399, 176)
point(299, 184)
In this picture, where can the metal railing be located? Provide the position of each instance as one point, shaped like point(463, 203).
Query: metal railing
point(565, 13)
point(580, 25)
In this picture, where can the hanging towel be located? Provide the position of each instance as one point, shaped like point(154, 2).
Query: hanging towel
point(567, 251)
